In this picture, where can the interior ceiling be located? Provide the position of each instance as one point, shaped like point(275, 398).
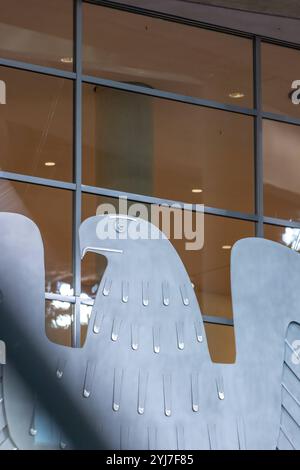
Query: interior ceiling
point(286, 8)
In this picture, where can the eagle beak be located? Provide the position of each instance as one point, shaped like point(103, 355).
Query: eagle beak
point(98, 250)
point(89, 241)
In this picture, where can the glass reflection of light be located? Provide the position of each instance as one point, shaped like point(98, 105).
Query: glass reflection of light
point(85, 310)
point(61, 321)
point(291, 238)
point(65, 289)
point(64, 320)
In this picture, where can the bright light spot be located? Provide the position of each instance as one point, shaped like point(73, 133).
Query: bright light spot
point(61, 305)
point(197, 190)
point(61, 321)
point(85, 314)
point(85, 310)
point(50, 163)
point(291, 238)
point(65, 289)
point(226, 247)
point(236, 95)
point(67, 60)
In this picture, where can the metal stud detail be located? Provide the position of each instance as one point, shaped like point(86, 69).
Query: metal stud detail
point(184, 295)
point(142, 391)
point(98, 319)
point(115, 331)
point(220, 387)
point(166, 293)
point(134, 336)
point(118, 380)
point(2, 353)
point(195, 392)
point(89, 378)
point(180, 335)
point(125, 291)
point(145, 293)
point(156, 339)
point(167, 385)
point(107, 287)
point(33, 428)
point(198, 330)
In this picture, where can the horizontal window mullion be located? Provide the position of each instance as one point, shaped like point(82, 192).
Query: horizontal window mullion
point(60, 298)
point(167, 95)
point(281, 118)
point(159, 201)
point(281, 222)
point(26, 66)
point(6, 175)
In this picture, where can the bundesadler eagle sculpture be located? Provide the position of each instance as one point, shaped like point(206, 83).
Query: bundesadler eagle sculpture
point(144, 378)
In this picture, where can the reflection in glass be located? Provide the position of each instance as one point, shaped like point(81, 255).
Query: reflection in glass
point(36, 125)
point(37, 31)
point(208, 268)
point(85, 315)
point(281, 170)
point(170, 150)
point(221, 343)
point(59, 318)
point(51, 210)
point(287, 236)
point(280, 68)
point(124, 47)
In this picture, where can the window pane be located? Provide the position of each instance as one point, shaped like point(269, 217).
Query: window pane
point(281, 170)
point(208, 268)
point(59, 318)
point(280, 68)
point(161, 148)
point(37, 31)
point(36, 125)
point(285, 235)
point(51, 210)
point(168, 56)
point(221, 343)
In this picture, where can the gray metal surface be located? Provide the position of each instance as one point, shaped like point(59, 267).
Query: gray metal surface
point(266, 300)
point(144, 378)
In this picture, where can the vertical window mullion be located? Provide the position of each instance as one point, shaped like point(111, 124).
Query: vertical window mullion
point(76, 328)
point(259, 183)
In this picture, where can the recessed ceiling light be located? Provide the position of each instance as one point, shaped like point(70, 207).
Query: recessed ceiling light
point(226, 247)
point(50, 164)
point(236, 95)
point(197, 190)
point(67, 60)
